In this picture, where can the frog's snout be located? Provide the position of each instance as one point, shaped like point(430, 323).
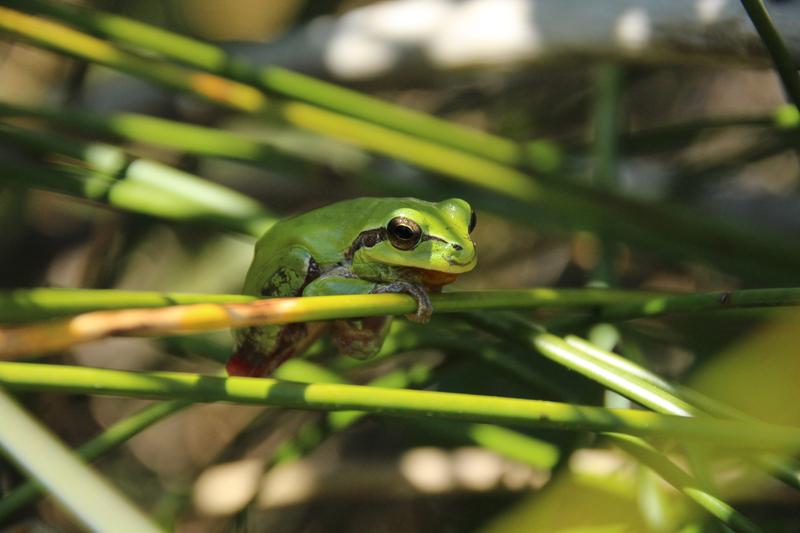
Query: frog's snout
point(454, 254)
point(458, 256)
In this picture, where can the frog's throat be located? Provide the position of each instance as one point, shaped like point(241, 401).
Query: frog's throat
point(433, 280)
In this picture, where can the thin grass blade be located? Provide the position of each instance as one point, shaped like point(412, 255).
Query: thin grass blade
point(88, 497)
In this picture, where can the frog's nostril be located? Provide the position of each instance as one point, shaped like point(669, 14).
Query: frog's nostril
point(457, 247)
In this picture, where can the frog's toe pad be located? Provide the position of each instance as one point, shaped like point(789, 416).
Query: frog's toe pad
point(422, 316)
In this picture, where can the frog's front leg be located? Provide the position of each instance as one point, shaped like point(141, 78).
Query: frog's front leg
point(342, 282)
point(424, 306)
point(362, 338)
point(357, 337)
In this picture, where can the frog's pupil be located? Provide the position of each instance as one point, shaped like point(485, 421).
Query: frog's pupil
point(473, 220)
point(404, 232)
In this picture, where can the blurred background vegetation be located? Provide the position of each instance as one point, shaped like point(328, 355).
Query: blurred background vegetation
point(656, 173)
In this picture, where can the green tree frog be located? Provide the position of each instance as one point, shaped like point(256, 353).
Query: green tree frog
point(359, 246)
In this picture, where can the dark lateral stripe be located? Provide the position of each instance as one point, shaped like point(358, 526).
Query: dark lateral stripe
point(367, 238)
point(371, 237)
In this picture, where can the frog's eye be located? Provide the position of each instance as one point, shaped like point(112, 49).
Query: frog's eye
point(404, 233)
point(472, 221)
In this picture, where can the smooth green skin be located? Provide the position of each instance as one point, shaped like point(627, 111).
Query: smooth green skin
point(312, 255)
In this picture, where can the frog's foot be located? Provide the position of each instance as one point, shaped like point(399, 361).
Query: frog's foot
point(424, 306)
point(361, 338)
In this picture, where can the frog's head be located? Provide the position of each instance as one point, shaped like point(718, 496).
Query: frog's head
point(431, 240)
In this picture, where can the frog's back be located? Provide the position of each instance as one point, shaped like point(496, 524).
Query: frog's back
point(315, 240)
point(329, 231)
